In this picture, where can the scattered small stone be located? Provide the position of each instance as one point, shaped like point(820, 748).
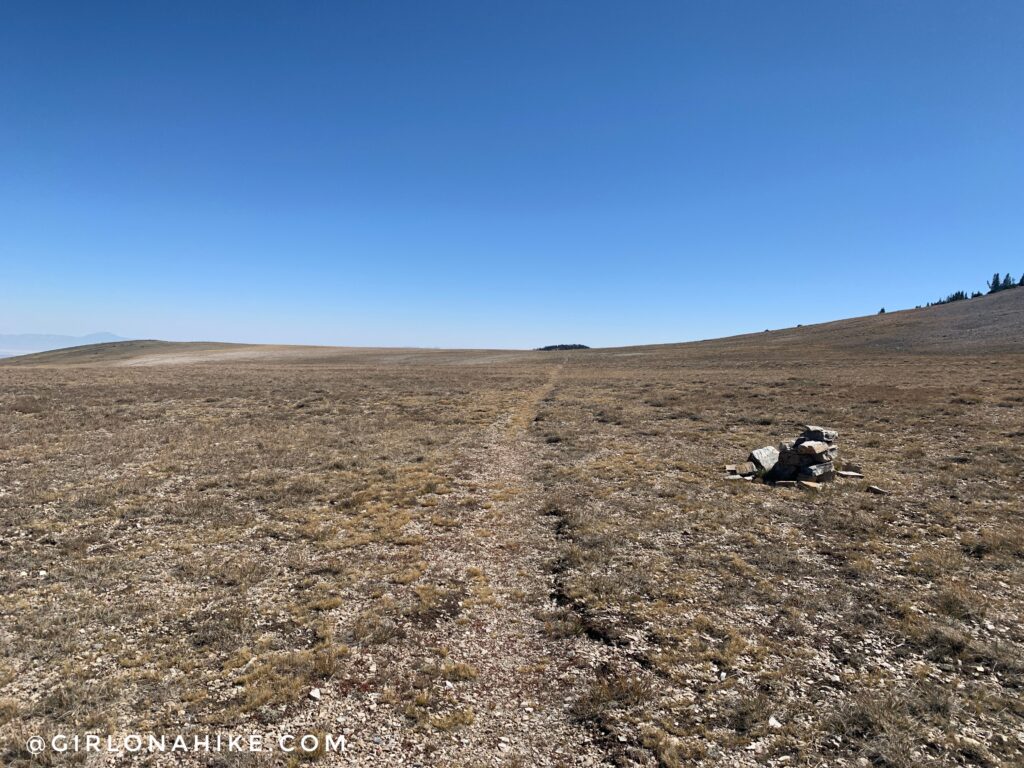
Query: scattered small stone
point(747, 468)
point(850, 473)
point(876, 490)
point(809, 485)
point(730, 468)
point(314, 694)
point(773, 723)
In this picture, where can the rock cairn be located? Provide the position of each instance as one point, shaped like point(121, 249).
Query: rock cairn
point(810, 459)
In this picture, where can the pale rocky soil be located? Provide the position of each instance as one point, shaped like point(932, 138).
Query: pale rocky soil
point(525, 681)
point(520, 558)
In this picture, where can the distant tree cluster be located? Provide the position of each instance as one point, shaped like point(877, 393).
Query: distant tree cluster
point(561, 347)
point(957, 296)
point(996, 284)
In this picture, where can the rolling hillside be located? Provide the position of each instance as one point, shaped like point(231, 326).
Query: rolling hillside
point(986, 325)
point(510, 557)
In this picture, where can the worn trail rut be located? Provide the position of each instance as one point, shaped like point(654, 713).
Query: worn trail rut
point(526, 679)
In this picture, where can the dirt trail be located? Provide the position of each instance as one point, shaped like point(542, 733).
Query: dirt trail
point(527, 679)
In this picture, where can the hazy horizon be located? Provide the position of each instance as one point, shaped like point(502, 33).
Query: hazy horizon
point(27, 344)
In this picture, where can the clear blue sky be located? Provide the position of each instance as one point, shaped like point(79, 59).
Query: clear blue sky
point(501, 174)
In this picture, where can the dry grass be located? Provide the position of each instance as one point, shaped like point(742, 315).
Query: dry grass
point(883, 628)
point(535, 546)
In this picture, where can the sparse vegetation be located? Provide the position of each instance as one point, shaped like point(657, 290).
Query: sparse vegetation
point(538, 549)
point(955, 296)
point(995, 285)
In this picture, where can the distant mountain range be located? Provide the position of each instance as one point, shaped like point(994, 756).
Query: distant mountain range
point(26, 343)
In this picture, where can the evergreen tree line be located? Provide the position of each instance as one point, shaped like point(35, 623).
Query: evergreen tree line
point(996, 284)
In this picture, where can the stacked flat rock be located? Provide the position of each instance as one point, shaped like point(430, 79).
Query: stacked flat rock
point(810, 457)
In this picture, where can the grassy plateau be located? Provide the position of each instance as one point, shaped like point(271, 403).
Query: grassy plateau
point(494, 558)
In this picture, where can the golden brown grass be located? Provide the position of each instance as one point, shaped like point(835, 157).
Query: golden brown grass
point(197, 546)
point(884, 628)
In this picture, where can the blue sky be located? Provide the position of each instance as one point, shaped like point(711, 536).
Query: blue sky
point(498, 174)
